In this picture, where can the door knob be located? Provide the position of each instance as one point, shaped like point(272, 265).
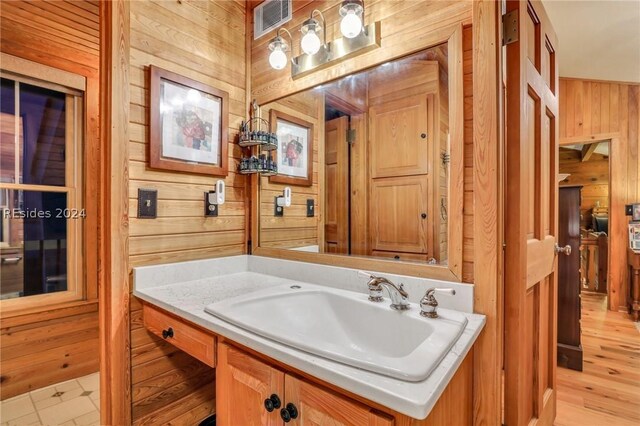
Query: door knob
point(566, 249)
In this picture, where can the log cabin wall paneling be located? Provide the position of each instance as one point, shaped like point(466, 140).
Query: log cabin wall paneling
point(40, 349)
point(204, 41)
point(599, 110)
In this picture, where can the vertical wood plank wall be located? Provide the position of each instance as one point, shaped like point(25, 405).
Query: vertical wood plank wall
point(59, 344)
point(599, 110)
point(205, 41)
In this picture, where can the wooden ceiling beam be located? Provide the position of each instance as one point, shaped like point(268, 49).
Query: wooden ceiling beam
point(588, 150)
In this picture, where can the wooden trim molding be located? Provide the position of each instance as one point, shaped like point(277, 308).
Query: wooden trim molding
point(488, 140)
point(42, 72)
point(115, 371)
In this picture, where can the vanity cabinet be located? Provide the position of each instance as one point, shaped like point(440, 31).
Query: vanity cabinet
point(244, 383)
point(245, 380)
point(188, 337)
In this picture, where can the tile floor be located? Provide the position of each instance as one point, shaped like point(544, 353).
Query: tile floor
point(72, 403)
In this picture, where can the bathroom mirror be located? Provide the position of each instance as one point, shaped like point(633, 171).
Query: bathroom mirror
point(373, 161)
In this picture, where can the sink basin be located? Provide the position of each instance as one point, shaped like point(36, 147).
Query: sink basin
point(346, 327)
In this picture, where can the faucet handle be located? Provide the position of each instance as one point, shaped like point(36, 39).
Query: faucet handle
point(429, 304)
point(375, 289)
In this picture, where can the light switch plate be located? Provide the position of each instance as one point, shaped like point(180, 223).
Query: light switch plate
point(311, 209)
point(147, 203)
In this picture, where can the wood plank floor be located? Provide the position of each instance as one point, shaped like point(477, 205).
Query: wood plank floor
point(607, 392)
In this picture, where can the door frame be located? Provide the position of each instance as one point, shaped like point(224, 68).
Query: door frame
point(613, 142)
point(114, 293)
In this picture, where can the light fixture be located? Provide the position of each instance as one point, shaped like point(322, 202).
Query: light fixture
point(311, 30)
point(352, 17)
point(279, 49)
point(357, 38)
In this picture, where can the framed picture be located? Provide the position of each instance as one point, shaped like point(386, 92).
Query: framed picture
point(188, 125)
point(635, 212)
point(295, 149)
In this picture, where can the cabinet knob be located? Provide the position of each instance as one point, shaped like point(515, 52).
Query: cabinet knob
point(396, 257)
point(289, 412)
point(423, 215)
point(272, 403)
point(423, 135)
point(167, 333)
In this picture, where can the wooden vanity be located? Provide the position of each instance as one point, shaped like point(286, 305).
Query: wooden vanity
point(246, 380)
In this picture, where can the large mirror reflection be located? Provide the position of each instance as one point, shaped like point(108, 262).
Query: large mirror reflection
point(367, 158)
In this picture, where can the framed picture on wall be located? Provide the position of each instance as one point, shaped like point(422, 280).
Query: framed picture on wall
point(188, 125)
point(295, 149)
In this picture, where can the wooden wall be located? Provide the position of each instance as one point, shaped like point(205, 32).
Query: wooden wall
point(61, 343)
point(598, 110)
point(592, 175)
point(205, 41)
point(295, 229)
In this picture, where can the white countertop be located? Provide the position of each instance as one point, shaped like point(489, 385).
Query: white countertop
point(186, 288)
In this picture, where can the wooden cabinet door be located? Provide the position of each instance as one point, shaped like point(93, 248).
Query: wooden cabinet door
point(242, 385)
point(336, 163)
point(399, 212)
point(318, 407)
point(399, 137)
point(531, 219)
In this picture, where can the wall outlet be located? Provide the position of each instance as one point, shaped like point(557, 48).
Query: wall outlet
point(147, 203)
point(210, 209)
point(278, 211)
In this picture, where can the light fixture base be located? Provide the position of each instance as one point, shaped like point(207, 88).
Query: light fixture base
point(336, 51)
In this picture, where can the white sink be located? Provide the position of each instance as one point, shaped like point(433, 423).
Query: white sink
point(345, 326)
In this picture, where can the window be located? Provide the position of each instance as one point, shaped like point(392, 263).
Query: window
point(41, 190)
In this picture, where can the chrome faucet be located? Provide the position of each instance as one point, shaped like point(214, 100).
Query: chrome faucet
point(397, 293)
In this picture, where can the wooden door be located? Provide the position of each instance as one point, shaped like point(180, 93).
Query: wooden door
point(242, 385)
point(399, 137)
point(531, 218)
point(399, 211)
point(336, 163)
point(319, 407)
point(569, 347)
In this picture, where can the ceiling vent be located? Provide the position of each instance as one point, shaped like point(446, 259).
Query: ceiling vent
point(270, 15)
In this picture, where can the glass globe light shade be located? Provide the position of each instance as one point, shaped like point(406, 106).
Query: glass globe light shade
point(351, 24)
point(278, 58)
point(310, 43)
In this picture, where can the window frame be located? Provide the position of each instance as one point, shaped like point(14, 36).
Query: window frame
point(74, 88)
